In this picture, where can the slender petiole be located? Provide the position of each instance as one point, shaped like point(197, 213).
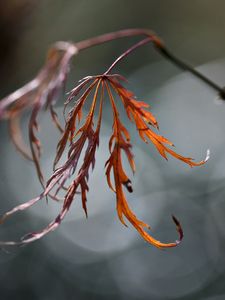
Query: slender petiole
point(131, 49)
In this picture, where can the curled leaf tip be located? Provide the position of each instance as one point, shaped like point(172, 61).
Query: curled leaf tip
point(179, 229)
point(207, 155)
point(128, 186)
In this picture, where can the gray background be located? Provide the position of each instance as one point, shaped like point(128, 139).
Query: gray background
point(99, 258)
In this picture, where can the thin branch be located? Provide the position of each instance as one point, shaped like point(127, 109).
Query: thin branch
point(184, 66)
point(159, 46)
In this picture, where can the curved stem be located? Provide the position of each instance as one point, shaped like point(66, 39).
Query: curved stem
point(101, 39)
point(159, 46)
point(131, 49)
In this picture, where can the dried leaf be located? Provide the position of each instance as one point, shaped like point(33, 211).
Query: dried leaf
point(84, 137)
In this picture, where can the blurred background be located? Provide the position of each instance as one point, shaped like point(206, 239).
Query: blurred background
point(98, 258)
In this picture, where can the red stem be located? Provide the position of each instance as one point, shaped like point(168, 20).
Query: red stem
point(117, 35)
point(159, 46)
point(131, 49)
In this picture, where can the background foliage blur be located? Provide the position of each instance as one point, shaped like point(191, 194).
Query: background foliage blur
point(98, 258)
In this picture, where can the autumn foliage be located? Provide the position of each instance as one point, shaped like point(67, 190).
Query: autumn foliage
point(81, 134)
